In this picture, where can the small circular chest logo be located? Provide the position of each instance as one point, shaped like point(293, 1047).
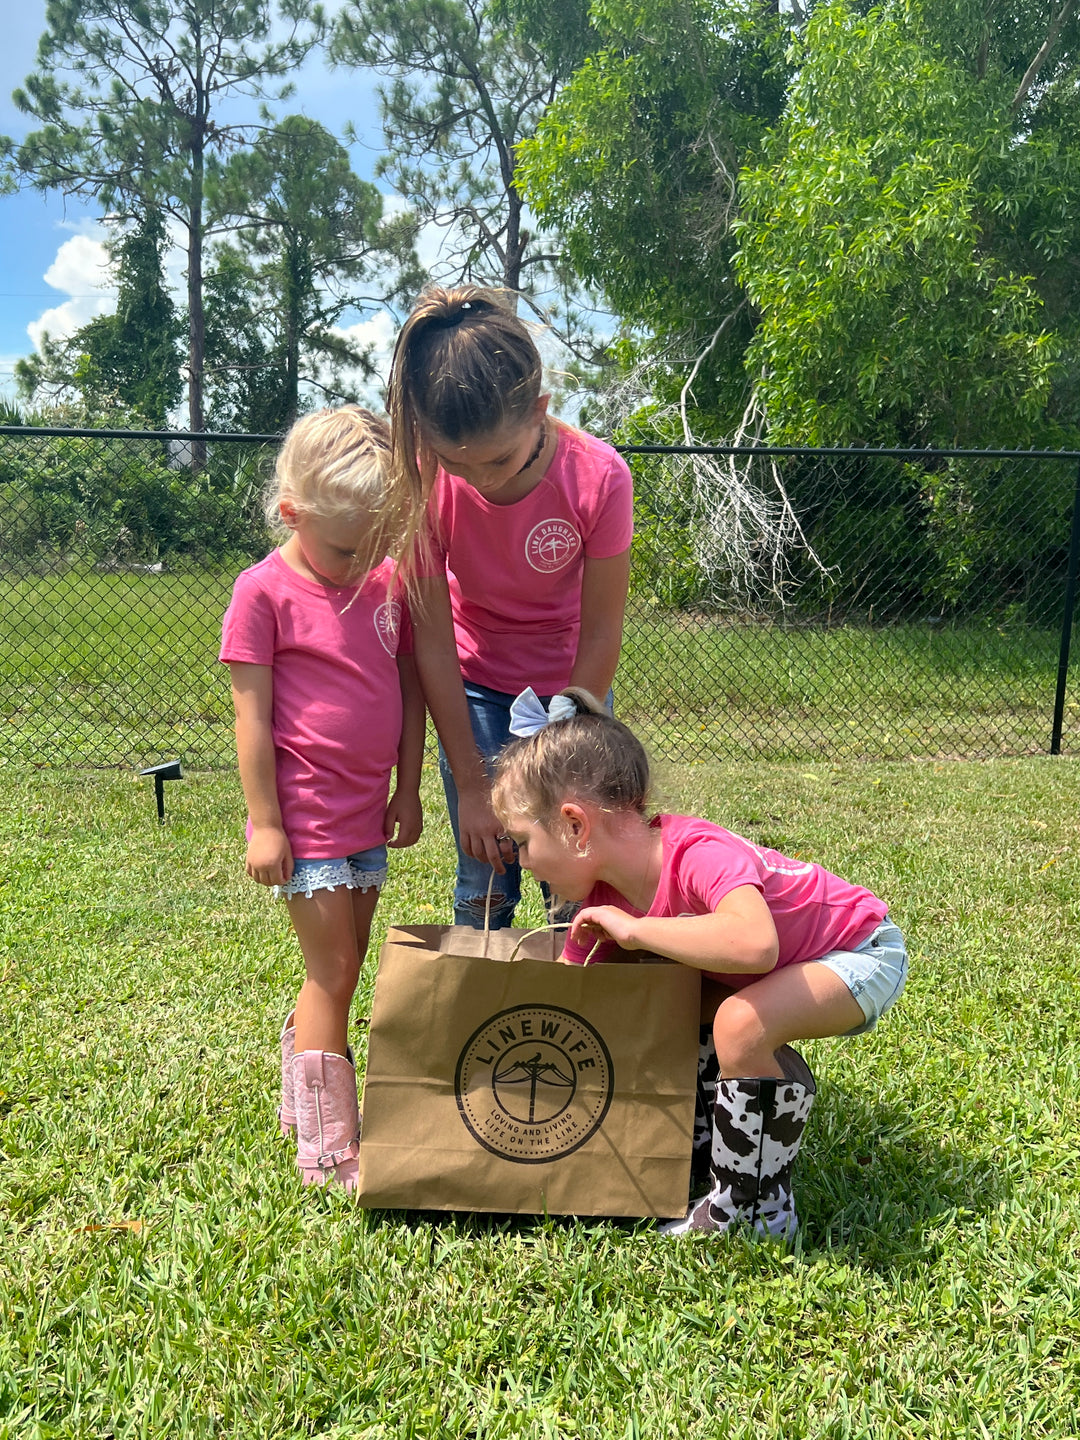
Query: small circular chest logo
point(387, 623)
point(552, 545)
point(533, 1083)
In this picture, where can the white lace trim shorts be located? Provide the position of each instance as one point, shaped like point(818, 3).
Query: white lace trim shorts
point(360, 871)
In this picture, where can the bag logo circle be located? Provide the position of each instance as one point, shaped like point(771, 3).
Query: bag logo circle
point(552, 545)
point(534, 1083)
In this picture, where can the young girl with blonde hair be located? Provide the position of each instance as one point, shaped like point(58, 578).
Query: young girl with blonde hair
point(327, 705)
point(799, 953)
point(528, 527)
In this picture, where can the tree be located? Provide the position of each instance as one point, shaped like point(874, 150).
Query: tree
point(465, 89)
point(765, 200)
point(862, 226)
point(887, 245)
point(129, 359)
point(129, 94)
point(636, 164)
point(244, 386)
point(307, 233)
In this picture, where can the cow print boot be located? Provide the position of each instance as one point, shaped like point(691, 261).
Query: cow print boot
point(756, 1133)
point(708, 1073)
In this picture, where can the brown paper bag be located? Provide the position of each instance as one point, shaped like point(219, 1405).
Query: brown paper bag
point(526, 1087)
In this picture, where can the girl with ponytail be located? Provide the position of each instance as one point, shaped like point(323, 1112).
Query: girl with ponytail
point(522, 561)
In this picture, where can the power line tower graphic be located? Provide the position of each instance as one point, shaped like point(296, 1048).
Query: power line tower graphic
point(533, 1072)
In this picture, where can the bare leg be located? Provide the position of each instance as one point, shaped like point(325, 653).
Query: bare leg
point(332, 928)
point(799, 1002)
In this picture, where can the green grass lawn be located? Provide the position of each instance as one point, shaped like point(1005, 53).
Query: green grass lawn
point(162, 1273)
point(101, 668)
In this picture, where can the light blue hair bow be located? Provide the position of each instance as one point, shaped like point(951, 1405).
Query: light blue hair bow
point(527, 714)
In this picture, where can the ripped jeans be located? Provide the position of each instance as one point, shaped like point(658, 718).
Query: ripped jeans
point(489, 711)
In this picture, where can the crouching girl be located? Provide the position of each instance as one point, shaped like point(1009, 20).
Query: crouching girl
point(799, 952)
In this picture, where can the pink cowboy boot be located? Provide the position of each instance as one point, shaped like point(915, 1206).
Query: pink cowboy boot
point(327, 1118)
point(287, 1109)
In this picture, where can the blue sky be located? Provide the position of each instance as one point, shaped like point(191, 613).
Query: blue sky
point(49, 236)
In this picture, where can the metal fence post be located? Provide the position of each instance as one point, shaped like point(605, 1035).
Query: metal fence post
point(1066, 622)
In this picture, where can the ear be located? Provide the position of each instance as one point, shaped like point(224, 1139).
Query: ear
point(288, 513)
point(578, 822)
point(540, 409)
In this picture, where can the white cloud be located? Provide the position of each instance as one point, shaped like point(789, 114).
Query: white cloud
point(379, 332)
point(81, 269)
point(7, 376)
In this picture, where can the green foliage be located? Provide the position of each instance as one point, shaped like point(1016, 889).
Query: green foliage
point(664, 570)
point(307, 232)
point(128, 95)
point(862, 227)
point(866, 221)
point(74, 499)
point(635, 161)
point(883, 317)
point(127, 363)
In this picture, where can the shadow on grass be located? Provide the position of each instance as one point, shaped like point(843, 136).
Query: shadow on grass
point(876, 1189)
point(884, 1187)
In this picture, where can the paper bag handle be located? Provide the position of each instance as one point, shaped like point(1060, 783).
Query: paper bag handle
point(487, 925)
point(540, 930)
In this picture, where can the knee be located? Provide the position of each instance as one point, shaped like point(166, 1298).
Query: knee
point(473, 910)
point(738, 1031)
point(338, 977)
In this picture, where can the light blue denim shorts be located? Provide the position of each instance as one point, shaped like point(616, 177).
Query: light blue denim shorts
point(360, 871)
point(874, 972)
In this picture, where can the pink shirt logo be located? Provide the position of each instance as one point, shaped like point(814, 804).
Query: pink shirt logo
point(387, 625)
point(552, 545)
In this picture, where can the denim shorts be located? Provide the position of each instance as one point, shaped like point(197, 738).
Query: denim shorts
point(874, 972)
point(360, 871)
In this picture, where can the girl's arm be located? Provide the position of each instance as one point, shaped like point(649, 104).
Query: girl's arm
point(404, 815)
point(269, 855)
point(603, 604)
point(440, 678)
point(739, 937)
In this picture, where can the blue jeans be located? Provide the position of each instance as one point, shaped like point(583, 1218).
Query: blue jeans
point(489, 712)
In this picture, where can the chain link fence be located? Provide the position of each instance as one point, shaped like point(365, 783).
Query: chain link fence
point(787, 604)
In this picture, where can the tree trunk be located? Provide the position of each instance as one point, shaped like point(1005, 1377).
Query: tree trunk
point(516, 241)
point(292, 335)
point(196, 321)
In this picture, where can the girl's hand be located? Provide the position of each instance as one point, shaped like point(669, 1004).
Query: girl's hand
point(405, 816)
point(604, 922)
point(478, 828)
point(269, 856)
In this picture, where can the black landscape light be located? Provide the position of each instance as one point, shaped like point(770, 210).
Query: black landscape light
point(167, 770)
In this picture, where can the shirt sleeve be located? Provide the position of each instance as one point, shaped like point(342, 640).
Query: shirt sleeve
point(711, 866)
point(249, 630)
point(613, 528)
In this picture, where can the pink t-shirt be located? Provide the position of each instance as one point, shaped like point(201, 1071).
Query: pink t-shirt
point(337, 699)
point(813, 910)
point(515, 571)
